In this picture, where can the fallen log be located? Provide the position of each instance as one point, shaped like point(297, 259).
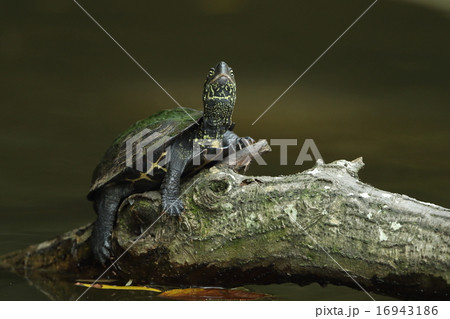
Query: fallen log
point(321, 225)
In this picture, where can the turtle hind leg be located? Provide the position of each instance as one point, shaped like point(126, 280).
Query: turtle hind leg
point(107, 205)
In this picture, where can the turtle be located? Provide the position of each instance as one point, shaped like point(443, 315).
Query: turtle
point(155, 153)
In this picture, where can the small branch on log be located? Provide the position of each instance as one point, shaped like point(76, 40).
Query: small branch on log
point(299, 228)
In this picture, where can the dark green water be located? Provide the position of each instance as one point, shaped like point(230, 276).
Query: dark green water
point(382, 92)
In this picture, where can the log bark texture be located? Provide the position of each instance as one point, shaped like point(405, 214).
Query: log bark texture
point(322, 225)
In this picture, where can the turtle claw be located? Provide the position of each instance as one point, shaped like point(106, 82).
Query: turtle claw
point(173, 207)
point(243, 142)
point(101, 248)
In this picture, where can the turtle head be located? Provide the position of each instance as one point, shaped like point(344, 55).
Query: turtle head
point(219, 96)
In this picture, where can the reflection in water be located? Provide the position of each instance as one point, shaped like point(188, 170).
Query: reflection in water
point(67, 91)
point(51, 287)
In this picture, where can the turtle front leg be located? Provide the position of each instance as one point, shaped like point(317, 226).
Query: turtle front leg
point(170, 188)
point(232, 139)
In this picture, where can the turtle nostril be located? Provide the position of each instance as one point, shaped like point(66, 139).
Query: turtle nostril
point(221, 67)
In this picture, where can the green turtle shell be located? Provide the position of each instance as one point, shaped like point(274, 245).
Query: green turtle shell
point(114, 167)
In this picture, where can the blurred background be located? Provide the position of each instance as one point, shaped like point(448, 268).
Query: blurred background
point(382, 92)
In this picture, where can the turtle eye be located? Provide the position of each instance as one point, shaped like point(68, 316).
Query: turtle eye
point(231, 72)
point(211, 72)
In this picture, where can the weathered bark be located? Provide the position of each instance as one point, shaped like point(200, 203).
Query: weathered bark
point(300, 228)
